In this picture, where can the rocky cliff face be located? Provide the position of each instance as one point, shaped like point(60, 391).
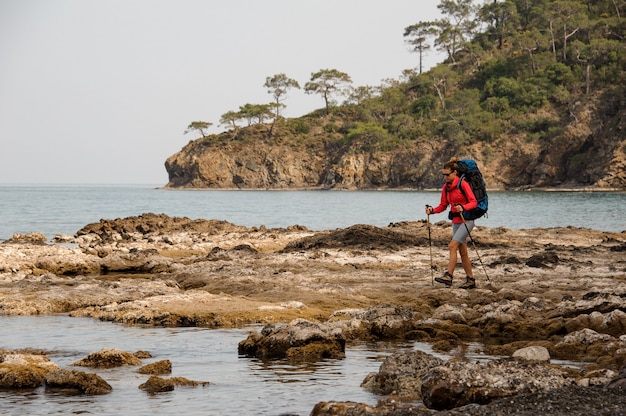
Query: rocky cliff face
point(589, 153)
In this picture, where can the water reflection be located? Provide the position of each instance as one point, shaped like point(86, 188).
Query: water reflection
point(239, 385)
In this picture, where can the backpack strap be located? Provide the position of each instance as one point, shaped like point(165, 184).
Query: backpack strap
point(460, 188)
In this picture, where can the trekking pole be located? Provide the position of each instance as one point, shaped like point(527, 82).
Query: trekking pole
point(430, 244)
point(475, 249)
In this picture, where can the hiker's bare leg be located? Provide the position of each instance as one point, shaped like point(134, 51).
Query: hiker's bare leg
point(453, 247)
point(465, 260)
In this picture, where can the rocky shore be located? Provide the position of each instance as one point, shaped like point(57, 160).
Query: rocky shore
point(542, 295)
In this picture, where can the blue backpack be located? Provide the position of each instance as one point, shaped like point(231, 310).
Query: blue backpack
point(468, 171)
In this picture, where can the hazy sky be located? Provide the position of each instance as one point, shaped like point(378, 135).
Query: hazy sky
point(101, 91)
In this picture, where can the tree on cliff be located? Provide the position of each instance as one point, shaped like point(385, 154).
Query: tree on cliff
point(417, 36)
point(327, 82)
point(278, 85)
point(200, 126)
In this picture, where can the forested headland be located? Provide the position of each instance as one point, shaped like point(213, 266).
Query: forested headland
point(534, 90)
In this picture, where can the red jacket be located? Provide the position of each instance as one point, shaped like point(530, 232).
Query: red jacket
point(452, 195)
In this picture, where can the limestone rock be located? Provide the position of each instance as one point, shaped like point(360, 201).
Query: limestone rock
point(159, 367)
point(379, 321)
point(156, 384)
point(401, 374)
point(77, 380)
point(24, 370)
point(298, 340)
point(457, 383)
point(108, 358)
point(533, 353)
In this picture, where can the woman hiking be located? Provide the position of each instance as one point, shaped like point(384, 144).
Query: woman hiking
point(459, 201)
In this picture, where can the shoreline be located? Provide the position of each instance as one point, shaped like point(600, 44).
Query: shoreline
point(581, 188)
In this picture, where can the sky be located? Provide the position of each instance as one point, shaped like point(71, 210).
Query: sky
point(101, 91)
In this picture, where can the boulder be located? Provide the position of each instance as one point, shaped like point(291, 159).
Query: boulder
point(401, 374)
point(533, 353)
point(159, 367)
point(157, 384)
point(298, 340)
point(108, 358)
point(18, 371)
point(379, 321)
point(459, 383)
point(86, 383)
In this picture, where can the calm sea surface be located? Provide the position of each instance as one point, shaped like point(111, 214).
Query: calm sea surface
point(240, 386)
point(65, 209)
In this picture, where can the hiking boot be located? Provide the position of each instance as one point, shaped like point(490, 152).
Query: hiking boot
point(446, 279)
point(470, 283)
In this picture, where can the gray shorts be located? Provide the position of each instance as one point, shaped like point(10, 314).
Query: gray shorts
point(460, 233)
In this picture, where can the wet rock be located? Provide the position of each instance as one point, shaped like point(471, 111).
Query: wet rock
point(533, 353)
point(86, 383)
point(19, 371)
point(458, 383)
point(619, 381)
point(23, 370)
point(156, 384)
point(401, 374)
point(298, 340)
point(159, 367)
point(379, 321)
point(108, 358)
point(142, 354)
point(590, 345)
point(342, 408)
point(20, 376)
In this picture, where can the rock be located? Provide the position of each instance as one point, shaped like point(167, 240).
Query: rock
point(619, 381)
point(380, 321)
point(343, 408)
point(450, 313)
point(77, 380)
point(108, 358)
point(142, 354)
point(613, 323)
point(19, 371)
point(159, 367)
point(157, 384)
point(20, 376)
point(533, 353)
point(298, 340)
point(63, 238)
point(543, 260)
point(401, 374)
point(457, 383)
point(29, 238)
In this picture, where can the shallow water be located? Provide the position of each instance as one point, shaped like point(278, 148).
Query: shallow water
point(239, 385)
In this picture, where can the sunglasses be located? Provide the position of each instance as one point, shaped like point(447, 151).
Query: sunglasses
point(446, 174)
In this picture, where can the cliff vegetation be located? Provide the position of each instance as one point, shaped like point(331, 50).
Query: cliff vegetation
point(534, 90)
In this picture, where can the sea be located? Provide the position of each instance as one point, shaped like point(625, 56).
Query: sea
point(238, 385)
point(64, 209)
